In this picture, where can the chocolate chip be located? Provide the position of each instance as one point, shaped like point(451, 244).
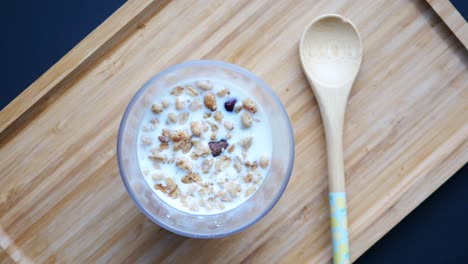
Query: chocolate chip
point(229, 104)
point(217, 147)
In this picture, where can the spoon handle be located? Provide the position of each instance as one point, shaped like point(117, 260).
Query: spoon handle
point(332, 107)
point(339, 227)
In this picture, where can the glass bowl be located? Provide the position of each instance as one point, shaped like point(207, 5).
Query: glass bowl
point(216, 225)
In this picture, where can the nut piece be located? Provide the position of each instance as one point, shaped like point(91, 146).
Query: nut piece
point(223, 92)
point(190, 90)
point(157, 108)
point(180, 104)
point(210, 101)
point(218, 116)
point(228, 125)
point(172, 117)
point(206, 165)
point(177, 90)
point(264, 161)
point(191, 177)
point(183, 117)
point(217, 147)
point(249, 105)
point(146, 140)
point(246, 120)
point(204, 85)
point(157, 177)
point(184, 163)
point(197, 128)
point(165, 103)
point(195, 105)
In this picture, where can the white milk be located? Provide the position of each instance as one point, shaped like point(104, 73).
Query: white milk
point(261, 146)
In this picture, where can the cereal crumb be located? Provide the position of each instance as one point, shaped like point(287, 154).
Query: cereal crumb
point(146, 172)
point(231, 149)
point(246, 142)
point(206, 165)
point(206, 115)
point(249, 105)
point(213, 135)
point(166, 132)
point(195, 105)
point(228, 125)
point(156, 108)
point(238, 108)
point(233, 188)
point(177, 90)
point(264, 161)
point(145, 128)
point(184, 163)
point(190, 90)
point(194, 207)
point(237, 166)
point(201, 149)
point(191, 177)
point(180, 104)
point(172, 118)
point(163, 146)
point(218, 116)
point(223, 92)
point(246, 120)
point(183, 117)
point(228, 135)
point(157, 177)
point(249, 191)
point(165, 103)
point(204, 85)
point(197, 128)
point(154, 121)
point(222, 163)
point(248, 178)
point(157, 156)
point(146, 140)
point(210, 101)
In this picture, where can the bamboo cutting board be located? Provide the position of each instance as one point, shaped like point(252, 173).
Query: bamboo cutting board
point(406, 131)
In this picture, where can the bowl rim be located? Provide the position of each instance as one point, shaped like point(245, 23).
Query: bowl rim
point(220, 64)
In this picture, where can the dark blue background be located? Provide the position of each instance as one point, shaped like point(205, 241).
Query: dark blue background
point(36, 34)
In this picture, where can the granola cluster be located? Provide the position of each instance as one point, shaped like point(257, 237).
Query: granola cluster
point(199, 141)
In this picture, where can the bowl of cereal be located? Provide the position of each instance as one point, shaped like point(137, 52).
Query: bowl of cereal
point(205, 149)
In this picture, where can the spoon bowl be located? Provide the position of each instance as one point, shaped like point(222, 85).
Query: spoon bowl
point(331, 52)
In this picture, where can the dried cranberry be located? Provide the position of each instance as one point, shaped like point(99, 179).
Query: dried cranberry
point(217, 147)
point(229, 104)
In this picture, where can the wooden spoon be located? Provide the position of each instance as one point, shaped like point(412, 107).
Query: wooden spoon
point(331, 52)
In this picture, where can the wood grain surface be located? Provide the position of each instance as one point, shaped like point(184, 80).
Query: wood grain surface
point(406, 130)
point(452, 18)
